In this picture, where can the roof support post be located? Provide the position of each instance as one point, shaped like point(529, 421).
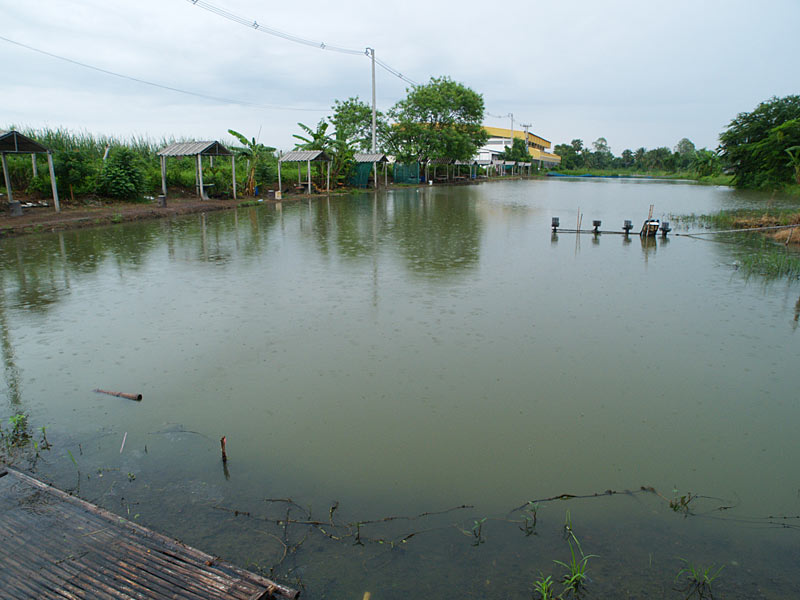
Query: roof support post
point(200, 175)
point(233, 174)
point(164, 175)
point(280, 189)
point(308, 171)
point(53, 181)
point(328, 187)
point(8, 179)
point(34, 165)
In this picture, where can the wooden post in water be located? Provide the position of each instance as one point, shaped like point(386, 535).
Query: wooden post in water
point(222, 445)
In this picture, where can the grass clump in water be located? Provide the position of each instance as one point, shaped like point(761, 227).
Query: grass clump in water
point(772, 264)
point(697, 580)
point(575, 578)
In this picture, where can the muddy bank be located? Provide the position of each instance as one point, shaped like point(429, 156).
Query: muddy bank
point(44, 219)
point(786, 236)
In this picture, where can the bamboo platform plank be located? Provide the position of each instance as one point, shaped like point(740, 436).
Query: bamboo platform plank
point(53, 545)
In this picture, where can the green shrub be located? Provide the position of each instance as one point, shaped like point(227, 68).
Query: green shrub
point(39, 187)
point(76, 169)
point(122, 176)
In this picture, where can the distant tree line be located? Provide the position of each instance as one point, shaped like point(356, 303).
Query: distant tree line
point(760, 149)
point(683, 158)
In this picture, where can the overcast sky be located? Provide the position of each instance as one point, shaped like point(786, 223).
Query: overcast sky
point(639, 72)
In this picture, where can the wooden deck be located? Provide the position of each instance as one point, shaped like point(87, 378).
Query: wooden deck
point(53, 545)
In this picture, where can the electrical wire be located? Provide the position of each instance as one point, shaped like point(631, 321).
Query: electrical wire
point(160, 85)
point(252, 23)
point(255, 25)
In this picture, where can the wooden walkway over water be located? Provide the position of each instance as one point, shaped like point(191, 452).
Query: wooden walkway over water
point(53, 545)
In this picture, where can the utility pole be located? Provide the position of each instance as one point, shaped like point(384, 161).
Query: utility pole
point(371, 53)
point(526, 126)
point(512, 129)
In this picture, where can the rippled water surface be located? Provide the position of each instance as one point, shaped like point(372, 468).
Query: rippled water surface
point(415, 351)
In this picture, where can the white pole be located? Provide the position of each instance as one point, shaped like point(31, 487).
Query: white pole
point(308, 171)
point(200, 175)
point(35, 166)
point(374, 136)
point(53, 182)
point(279, 179)
point(164, 175)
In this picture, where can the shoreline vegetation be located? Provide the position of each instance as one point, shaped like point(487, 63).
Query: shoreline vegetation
point(718, 179)
point(105, 180)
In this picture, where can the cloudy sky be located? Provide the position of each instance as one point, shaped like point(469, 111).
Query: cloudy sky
point(639, 73)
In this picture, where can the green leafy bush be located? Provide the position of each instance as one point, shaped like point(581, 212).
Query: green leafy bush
point(122, 176)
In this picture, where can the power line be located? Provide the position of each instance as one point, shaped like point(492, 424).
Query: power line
point(160, 85)
point(261, 28)
point(253, 24)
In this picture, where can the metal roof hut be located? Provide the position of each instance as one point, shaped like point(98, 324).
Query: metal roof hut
point(13, 142)
point(436, 163)
point(485, 163)
point(305, 156)
point(198, 150)
point(364, 159)
point(468, 163)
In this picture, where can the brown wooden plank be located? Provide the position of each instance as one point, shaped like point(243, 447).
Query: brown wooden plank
point(58, 546)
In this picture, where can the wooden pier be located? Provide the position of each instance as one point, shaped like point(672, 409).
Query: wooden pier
point(53, 545)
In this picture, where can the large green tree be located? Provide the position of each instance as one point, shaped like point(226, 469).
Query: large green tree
point(517, 152)
point(572, 154)
point(440, 119)
point(352, 122)
point(753, 141)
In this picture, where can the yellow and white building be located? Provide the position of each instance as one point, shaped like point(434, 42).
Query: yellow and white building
point(501, 138)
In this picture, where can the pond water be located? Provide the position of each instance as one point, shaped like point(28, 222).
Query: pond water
point(416, 351)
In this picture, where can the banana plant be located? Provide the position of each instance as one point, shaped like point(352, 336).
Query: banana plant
point(316, 140)
point(255, 153)
point(337, 146)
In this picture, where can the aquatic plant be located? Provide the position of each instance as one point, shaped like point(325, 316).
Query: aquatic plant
point(697, 580)
point(544, 587)
point(775, 263)
point(477, 532)
point(529, 518)
point(681, 503)
point(17, 436)
point(575, 578)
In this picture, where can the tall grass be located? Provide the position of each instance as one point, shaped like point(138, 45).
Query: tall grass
point(79, 165)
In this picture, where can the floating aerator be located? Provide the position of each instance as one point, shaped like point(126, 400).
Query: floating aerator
point(555, 223)
point(627, 226)
point(665, 228)
point(596, 225)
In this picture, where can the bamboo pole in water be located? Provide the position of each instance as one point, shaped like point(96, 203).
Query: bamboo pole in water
point(137, 397)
